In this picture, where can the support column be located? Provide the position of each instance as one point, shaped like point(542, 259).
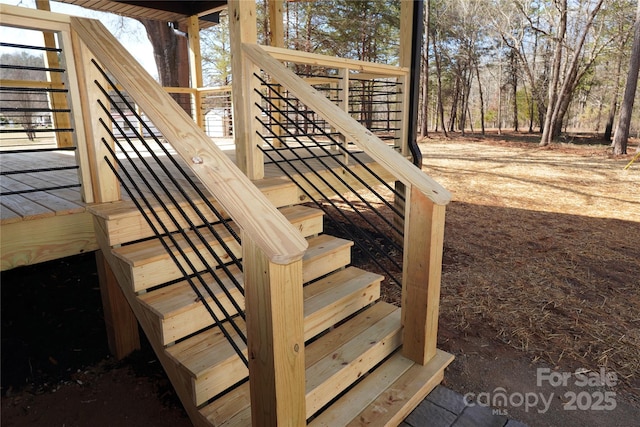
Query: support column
point(121, 322)
point(242, 29)
point(424, 239)
point(195, 67)
point(56, 99)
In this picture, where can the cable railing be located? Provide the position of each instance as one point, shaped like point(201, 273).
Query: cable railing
point(34, 104)
point(32, 96)
point(419, 198)
point(158, 184)
point(300, 152)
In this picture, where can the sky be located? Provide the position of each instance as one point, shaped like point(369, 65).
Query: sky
point(129, 32)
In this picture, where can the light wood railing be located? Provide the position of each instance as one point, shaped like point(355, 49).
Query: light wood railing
point(253, 213)
point(424, 207)
point(272, 247)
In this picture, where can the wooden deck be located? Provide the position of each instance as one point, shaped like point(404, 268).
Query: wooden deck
point(46, 225)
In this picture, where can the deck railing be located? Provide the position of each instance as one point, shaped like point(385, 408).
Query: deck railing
point(272, 248)
point(423, 202)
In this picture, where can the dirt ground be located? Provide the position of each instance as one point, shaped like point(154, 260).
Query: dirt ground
point(541, 270)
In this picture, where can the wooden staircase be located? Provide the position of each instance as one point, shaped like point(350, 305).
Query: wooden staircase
point(351, 337)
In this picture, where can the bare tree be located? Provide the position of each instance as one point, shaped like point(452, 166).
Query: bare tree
point(559, 102)
point(622, 132)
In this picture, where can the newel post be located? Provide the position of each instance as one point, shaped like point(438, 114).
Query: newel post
point(424, 239)
point(121, 322)
point(275, 334)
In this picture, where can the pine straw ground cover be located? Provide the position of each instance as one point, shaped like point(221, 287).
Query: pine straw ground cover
point(541, 251)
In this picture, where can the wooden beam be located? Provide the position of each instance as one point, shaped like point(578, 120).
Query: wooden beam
point(275, 329)
point(195, 66)
point(276, 24)
point(56, 99)
point(46, 239)
point(33, 19)
point(424, 238)
point(299, 57)
point(242, 29)
point(121, 323)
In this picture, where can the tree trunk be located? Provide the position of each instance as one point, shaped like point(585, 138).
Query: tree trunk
point(439, 75)
point(608, 130)
point(514, 88)
point(425, 74)
point(561, 102)
point(555, 75)
point(622, 132)
point(481, 97)
point(171, 54)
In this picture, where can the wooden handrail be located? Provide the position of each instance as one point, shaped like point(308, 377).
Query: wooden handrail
point(246, 205)
point(299, 57)
point(391, 160)
point(15, 16)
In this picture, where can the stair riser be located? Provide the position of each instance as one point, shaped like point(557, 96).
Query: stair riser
point(216, 380)
point(322, 394)
point(184, 324)
point(131, 226)
point(165, 270)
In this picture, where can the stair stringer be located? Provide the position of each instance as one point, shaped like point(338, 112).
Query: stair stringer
point(180, 383)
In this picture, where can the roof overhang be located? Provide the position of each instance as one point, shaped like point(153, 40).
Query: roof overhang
point(168, 11)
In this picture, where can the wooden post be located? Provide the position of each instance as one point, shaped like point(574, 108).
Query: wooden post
point(406, 44)
point(121, 323)
point(276, 30)
point(56, 99)
point(242, 29)
point(105, 184)
point(275, 333)
point(424, 239)
point(195, 67)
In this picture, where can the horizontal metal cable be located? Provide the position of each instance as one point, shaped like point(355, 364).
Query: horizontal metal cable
point(24, 46)
point(31, 68)
point(348, 231)
point(35, 190)
point(192, 274)
point(37, 150)
point(33, 110)
point(337, 176)
point(59, 168)
point(36, 90)
point(185, 274)
point(37, 130)
point(339, 145)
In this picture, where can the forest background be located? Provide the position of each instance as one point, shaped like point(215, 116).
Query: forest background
point(485, 63)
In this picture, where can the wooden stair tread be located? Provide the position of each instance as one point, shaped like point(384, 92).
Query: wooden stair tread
point(208, 358)
point(271, 187)
point(327, 368)
point(150, 265)
point(322, 250)
point(338, 359)
point(326, 301)
point(148, 251)
point(180, 297)
point(387, 395)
